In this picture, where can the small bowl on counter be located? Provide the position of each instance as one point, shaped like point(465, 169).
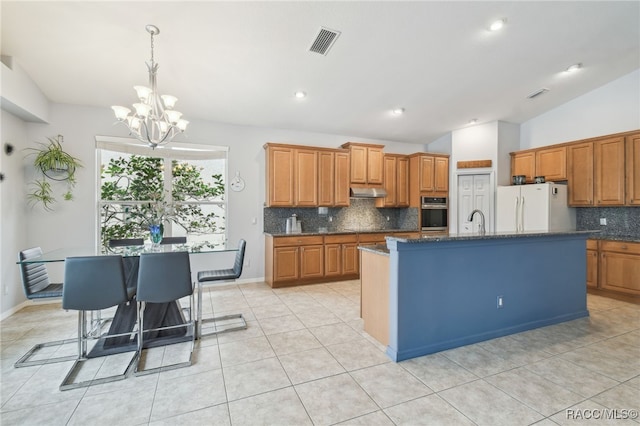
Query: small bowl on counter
point(519, 179)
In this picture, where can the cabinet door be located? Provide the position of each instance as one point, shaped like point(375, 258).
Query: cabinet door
point(311, 261)
point(524, 164)
point(280, 177)
point(326, 182)
point(552, 163)
point(306, 177)
point(332, 260)
point(350, 259)
point(620, 272)
point(633, 169)
point(426, 173)
point(390, 178)
point(441, 174)
point(375, 159)
point(592, 268)
point(358, 164)
point(402, 182)
point(341, 190)
point(580, 158)
point(285, 263)
point(609, 182)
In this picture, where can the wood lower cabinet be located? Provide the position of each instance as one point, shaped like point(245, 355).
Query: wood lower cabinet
point(613, 269)
point(341, 256)
point(620, 267)
point(633, 169)
point(289, 260)
point(592, 263)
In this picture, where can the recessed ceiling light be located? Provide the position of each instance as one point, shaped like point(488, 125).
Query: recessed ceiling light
point(574, 68)
point(398, 111)
point(300, 94)
point(497, 25)
point(473, 121)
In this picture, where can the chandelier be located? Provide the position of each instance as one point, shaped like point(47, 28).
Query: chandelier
point(154, 121)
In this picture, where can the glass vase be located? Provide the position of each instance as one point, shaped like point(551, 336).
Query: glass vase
point(155, 233)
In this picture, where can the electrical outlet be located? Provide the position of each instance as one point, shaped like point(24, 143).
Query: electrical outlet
point(500, 302)
point(603, 221)
point(247, 263)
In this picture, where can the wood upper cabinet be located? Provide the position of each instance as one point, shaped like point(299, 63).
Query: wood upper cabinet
point(551, 163)
point(342, 179)
point(633, 169)
point(580, 176)
point(592, 263)
point(366, 163)
point(441, 174)
point(306, 177)
point(396, 181)
point(280, 176)
point(326, 178)
point(523, 163)
point(620, 267)
point(609, 173)
point(428, 175)
point(402, 181)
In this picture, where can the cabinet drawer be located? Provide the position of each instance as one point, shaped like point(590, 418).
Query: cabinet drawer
point(372, 238)
point(341, 239)
point(620, 247)
point(297, 241)
point(592, 244)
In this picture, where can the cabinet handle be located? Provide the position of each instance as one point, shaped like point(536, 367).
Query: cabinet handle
point(623, 247)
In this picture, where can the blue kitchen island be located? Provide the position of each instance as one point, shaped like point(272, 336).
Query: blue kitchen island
point(453, 290)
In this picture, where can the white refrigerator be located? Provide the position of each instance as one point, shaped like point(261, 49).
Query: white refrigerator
point(536, 207)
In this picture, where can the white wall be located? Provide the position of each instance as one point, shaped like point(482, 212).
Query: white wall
point(74, 223)
point(13, 223)
point(612, 108)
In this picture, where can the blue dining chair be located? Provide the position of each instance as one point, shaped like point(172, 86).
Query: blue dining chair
point(164, 278)
point(36, 286)
point(225, 323)
point(93, 283)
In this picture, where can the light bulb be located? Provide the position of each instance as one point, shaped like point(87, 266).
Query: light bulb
point(169, 101)
point(142, 110)
point(120, 112)
point(143, 92)
point(497, 25)
point(173, 116)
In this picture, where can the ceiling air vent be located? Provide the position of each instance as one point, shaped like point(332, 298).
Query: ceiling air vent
point(324, 40)
point(537, 93)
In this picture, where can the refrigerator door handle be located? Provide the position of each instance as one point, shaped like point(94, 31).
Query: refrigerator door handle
point(522, 215)
point(517, 212)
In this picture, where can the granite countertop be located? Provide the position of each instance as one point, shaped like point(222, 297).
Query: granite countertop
point(488, 236)
point(378, 249)
point(337, 232)
point(624, 238)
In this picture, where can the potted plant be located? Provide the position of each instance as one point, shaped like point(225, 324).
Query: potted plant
point(54, 164)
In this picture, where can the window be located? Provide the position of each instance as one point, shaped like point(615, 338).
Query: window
point(180, 188)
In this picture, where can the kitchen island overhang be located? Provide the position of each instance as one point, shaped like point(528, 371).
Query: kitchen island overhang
point(443, 291)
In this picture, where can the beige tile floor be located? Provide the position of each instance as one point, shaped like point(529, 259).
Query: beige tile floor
point(305, 359)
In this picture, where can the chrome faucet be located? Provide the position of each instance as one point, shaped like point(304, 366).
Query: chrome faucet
point(481, 230)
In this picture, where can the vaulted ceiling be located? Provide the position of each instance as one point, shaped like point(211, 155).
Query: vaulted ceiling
point(241, 62)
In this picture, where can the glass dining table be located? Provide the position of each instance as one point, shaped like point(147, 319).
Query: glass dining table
point(125, 318)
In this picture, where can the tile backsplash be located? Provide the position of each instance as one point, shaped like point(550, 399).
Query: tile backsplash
point(621, 221)
point(362, 214)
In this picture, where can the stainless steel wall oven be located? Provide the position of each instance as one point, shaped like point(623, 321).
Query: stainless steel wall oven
point(434, 214)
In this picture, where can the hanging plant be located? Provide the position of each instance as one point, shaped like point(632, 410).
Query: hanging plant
point(54, 164)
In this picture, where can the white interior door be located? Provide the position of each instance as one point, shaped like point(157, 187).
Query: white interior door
point(474, 192)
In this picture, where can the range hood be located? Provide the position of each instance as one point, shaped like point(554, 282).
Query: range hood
point(368, 193)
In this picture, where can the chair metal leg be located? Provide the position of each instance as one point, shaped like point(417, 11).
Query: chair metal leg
point(83, 335)
point(140, 372)
point(26, 361)
point(240, 325)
